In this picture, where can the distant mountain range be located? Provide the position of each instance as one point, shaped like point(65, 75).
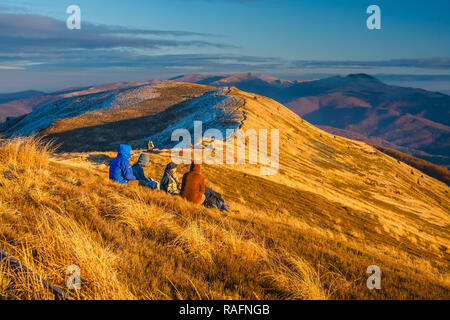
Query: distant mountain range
point(358, 106)
point(18, 103)
point(5, 97)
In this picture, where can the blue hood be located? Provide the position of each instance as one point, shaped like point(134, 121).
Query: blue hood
point(120, 169)
point(124, 150)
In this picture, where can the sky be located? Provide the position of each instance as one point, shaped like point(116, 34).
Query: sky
point(292, 39)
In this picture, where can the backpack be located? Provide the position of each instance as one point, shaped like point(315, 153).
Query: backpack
point(214, 200)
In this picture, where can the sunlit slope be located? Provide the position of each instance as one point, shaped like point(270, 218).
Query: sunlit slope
point(104, 129)
point(344, 170)
point(310, 231)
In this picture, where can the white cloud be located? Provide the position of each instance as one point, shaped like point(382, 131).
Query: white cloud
point(11, 68)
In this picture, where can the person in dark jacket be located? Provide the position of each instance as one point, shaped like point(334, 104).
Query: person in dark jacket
point(193, 185)
point(138, 171)
point(120, 168)
point(169, 182)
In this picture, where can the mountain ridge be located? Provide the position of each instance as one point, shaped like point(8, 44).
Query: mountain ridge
point(358, 106)
point(409, 119)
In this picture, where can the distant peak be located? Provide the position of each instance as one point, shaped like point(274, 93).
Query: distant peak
point(269, 78)
point(361, 76)
point(247, 75)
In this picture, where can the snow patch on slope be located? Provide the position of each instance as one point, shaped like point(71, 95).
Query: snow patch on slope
point(214, 109)
point(44, 116)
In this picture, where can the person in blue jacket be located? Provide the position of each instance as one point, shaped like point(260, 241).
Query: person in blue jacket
point(120, 168)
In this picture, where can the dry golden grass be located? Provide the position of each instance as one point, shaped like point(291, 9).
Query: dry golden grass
point(134, 243)
point(129, 242)
point(309, 232)
point(297, 280)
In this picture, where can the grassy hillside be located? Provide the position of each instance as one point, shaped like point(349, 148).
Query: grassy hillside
point(439, 172)
point(336, 207)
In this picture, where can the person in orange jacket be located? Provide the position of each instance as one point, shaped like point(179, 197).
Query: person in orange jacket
point(193, 185)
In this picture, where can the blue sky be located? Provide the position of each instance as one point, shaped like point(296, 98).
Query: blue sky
point(141, 40)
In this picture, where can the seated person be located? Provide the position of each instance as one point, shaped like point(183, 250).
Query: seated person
point(120, 168)
point(169, 182)
point(193, 185)
point(150, 146)
point(138, 171)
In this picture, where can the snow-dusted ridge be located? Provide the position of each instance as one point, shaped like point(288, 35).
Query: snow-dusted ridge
point(215, 109)
point(44, 116)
